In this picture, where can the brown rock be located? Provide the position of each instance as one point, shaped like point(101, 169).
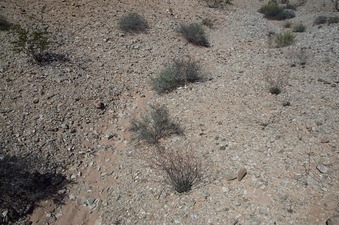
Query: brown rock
point(242, 172)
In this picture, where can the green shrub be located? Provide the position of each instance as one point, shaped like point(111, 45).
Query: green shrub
point(217, 3)
point(4, 24)
point(320, 20)
point(333, 19)
point(272, 11)
point(154, 126)
point(195, 34)
point(34, 41)
point(133, 23)
point(182, 170)
point(275, 90)
point(284, 39)
point(177, 74)
point(299, 28)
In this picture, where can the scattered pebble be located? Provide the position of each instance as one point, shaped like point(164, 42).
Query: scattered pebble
point(241, 174)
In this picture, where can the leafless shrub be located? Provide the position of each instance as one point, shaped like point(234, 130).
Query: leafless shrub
point(276, 82)
point(182, 169)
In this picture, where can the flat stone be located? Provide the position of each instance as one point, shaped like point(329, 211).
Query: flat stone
point(231, 176)
point(90, 201)
point(322, 168)
point(241, 174)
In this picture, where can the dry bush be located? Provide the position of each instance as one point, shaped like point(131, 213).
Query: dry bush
point(276, 82)
point(154, 126)
point(284, 39)
point(133, 23)
point(195, 34)
point(182, 169)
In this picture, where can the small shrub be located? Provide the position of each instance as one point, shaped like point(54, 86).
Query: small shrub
point(34, 41)
point(182, 170)
point(217, 3)
point(336, 4)
point(151, 128)
point(195, 34)
point(4, 24)
point(207, 22)
point(284, 39)
point(272, 11)
point(299, 28)
point(133, 23)
point(333, 19)
point(177, 74)
point(275, 90)
point(288, 24)
point(320, 20)
point(275, 82)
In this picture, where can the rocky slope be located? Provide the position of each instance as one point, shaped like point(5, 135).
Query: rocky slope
point(288, 143)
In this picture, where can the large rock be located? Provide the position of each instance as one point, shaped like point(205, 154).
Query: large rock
point(334, 220)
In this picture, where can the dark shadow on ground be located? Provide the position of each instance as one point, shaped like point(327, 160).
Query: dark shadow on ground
point(23, 184)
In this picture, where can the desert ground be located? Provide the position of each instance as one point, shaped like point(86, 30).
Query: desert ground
point(288, 143)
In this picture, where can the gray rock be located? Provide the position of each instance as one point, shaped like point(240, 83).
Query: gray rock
point(90, 201)
point(322, 168)
point(231, 176)
point(223, 145)
point(334, 220)
point(241, 174)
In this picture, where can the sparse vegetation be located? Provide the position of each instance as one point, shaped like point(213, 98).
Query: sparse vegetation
point(34, 42)
point(4, 24)
point(272, 11)
point(276, 12)
point(320, 20)
point(154, 126)
point(333, 19)
point(288, 24)
point(275, 82)
point(299, 28)
point(284, 39)
point(179, 73)
point(195, 34)
point(217, 3)
point(133, 23)
point(275, 90)
point(183, 170)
